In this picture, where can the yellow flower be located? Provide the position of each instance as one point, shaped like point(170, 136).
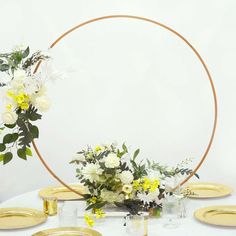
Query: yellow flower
point(10, 93)
point(24, 106)
point(93, 200)
point(136, 184)
point(99, 213)
point(19, 98)
point(97, 148)
point(9, 106)
point(146, 184)
point(127, 188)
point(154, 185)
point(89, 220)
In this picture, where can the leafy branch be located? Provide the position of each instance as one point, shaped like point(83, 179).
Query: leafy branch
point(170, 172)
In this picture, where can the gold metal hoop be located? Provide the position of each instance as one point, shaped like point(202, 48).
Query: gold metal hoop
point(204, 155)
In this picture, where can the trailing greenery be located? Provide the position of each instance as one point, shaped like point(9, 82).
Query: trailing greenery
point(172, 171)
point(18, 129)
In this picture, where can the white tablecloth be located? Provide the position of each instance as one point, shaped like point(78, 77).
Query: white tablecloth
point(114, 226)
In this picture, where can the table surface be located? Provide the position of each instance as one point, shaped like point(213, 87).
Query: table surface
point(114, 226)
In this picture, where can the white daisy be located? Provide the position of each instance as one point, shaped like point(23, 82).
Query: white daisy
point(91, 172)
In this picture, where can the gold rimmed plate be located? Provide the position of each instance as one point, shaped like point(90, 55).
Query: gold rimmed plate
point(62, 193)
point(208, 190)
point(18, 218)
point(68, 231)
point(217, 215)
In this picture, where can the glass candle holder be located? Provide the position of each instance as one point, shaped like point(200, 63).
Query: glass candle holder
point(50, 206)
point(137, 225)
point(170, 211)
point(67, 216)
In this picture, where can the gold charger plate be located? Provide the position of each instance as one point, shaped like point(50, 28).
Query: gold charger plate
point(217, 215)
point(17, 218)
point(208, 190)
point(68, 231)
point(62, 193)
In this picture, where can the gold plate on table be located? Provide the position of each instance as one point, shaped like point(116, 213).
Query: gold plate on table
point(62, 193)
point(68, 231)
point(217, 215)
point(208, 190)
point(17, 218)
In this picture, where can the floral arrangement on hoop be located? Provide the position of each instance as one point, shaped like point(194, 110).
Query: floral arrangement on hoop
point(24, 95)
point(114, 177)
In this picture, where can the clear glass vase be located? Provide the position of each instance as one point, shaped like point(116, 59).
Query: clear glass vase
point(137, 225)
point(170, 211)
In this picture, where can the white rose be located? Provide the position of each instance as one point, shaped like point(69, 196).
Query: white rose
point(9, 117)
point(42, 103)
point(112, 161)
point(126, 177)
point(78, 157)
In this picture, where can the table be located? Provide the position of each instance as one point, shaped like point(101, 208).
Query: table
point(114, 226)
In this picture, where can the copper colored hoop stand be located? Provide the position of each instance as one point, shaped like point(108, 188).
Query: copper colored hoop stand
point(188, 44)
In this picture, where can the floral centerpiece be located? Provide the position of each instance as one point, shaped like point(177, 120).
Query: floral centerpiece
point(24, 96)
point(114, 177)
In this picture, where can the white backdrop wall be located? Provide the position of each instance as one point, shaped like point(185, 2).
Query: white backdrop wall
point(128, 66)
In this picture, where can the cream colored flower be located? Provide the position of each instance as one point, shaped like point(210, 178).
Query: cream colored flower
point(111, 197)
point(9, 117)
point(112, 161)
point(127, 188)
point(78, 157)
point(92, 172)
point(42, 103)
point(126, 177)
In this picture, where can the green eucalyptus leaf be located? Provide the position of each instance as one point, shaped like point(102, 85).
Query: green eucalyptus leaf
point(136, 153)
point(7, 157)
point(197, 175)
point(2, 147)
point(26, 52)
point(15, 136)
point(4, 67)
point(124, 148)
point(21, 153)
point(10, 126)
point(1, 61)
point(34, 131)
point(96, 205)
point(28, 152)
point(8, 138)
point(1, 157)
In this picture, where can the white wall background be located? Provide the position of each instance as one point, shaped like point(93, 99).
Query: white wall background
point(129, 81)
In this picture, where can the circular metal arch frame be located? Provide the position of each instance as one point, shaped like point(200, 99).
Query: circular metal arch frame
point(204, 155)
